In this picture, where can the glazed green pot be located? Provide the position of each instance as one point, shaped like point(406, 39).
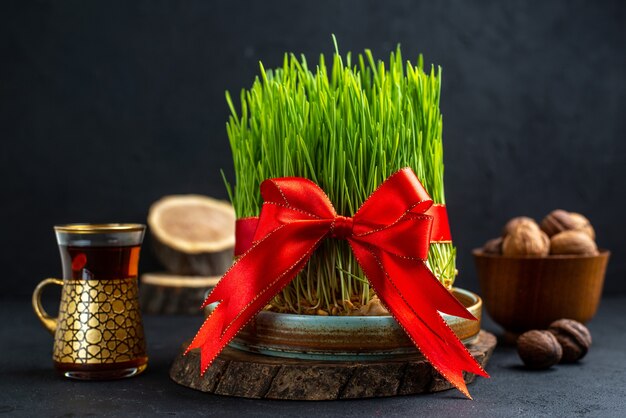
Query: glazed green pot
point(344, 337)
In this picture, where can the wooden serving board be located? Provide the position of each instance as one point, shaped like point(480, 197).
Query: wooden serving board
point(251, 375)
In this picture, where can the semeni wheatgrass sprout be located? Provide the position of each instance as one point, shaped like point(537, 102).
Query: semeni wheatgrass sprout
point(347, 127)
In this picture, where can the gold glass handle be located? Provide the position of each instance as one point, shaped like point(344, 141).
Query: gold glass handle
point(49, 322)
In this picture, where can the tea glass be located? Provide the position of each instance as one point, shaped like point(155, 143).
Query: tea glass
point(98, 333)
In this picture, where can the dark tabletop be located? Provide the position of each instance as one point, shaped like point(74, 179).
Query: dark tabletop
point(29, 386)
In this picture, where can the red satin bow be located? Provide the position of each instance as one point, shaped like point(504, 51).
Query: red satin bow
point(390, 235)
point(246, 227)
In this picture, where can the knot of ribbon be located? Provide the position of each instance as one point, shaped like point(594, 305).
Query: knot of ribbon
point(341, 228)
point(390, 235)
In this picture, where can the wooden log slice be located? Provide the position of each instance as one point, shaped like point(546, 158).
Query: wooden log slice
point(198, 264)
point(193, 234)
point(162, 293)
point(251, 375)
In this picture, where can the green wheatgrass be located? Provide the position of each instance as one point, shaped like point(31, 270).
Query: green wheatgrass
point(347, 127)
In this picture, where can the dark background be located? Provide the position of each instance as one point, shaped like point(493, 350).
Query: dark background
point(106, 106)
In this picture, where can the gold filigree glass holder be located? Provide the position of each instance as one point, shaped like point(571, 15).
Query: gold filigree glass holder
point(98, 333)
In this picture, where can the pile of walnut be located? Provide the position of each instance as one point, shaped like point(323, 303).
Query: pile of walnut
point(565, 341)
point(560, 232)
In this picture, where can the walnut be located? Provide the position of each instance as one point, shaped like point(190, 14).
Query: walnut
point(574, 337)
point(526, 239)
point(493, 246)
point(572, 242)
point(560, 220)
point(513, 223)
point(539, 349)
point(583, 224)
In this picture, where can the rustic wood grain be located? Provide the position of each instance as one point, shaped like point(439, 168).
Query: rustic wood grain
point(201, 264)
point(523, 293)
point(250, 375)
point(161, 293)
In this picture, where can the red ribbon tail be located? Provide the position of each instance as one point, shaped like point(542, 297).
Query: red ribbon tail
point(415, 297)
point(246, 288)
point(207, 338)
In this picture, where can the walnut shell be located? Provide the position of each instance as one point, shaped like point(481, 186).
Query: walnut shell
point(539, 349)
point(583, 224)
point(513, 223)
point(526, 239)
point(560, 220)
point(572, 242)
point(574, 337)
point(493, 246)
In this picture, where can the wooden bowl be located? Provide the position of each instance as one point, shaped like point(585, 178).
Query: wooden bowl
point(523, 293)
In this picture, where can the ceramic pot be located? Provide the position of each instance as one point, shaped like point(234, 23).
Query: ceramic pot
point(343, 337)
point(523, 293)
